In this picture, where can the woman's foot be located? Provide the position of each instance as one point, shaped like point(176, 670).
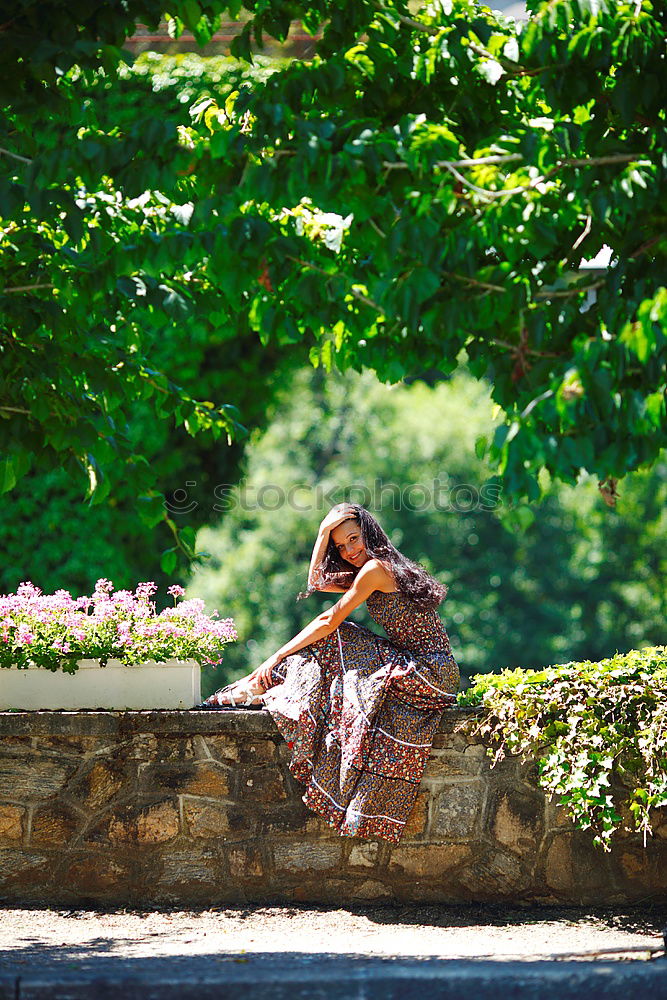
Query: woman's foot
point(240, 694)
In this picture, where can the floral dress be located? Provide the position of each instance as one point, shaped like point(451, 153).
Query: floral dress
point(359, 712)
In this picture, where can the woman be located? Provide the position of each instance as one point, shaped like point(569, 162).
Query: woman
point(358, 710)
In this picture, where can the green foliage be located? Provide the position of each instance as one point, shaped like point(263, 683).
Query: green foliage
point(475, 161)
point(456, 165)
point(50, 535)
point(106, 346)
point(599, 730)
point(579, 582)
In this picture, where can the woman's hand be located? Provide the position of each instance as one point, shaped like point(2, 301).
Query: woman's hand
point(341, 512)
point(262, 674)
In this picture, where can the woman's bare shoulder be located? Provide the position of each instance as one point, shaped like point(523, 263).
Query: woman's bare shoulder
point(380, 575)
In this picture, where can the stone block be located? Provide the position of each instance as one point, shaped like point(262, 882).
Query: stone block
point(101, 780)
point(306, 856)
point(528, 771)
point(446, 763)
point(370, 889)
point(633, 865)
point(142, 746)
point(292, 817)
point(263, 784)
point(364, 855)
point(556, 815)
point(417, 822)
point(558, 867)
point(196, 875)
point(283, 752)
point(70, 743)
point(577, 870)
point(12, 822)
point(516, 820)
point(314, 824)
point(494, 875)
point(206, 778)
point(245, 862)
point(155, 823)
point(459, 736)
point(93, 874)
point(503, 772)
point(257, 751)
point(224, 747)
point(458, 810)
point(429, 860)
point(642, 871)
point(175, 748)
point(24, 875)
point(29, 777)
point(54, 825)
point(206, 820)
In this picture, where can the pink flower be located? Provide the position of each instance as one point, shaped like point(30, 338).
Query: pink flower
point(175, 590)
point(24, 637)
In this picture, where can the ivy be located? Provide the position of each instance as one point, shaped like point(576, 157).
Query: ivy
point(599, 731)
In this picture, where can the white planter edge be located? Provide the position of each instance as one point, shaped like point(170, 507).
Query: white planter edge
point(173, 684)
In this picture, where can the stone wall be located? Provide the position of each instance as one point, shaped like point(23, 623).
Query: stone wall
point(199, 808)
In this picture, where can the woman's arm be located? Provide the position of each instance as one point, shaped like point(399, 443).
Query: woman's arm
point(372, 576)
point(319, 550)
point(335, 516)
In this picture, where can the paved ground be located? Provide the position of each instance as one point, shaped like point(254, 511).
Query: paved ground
point(295, 951)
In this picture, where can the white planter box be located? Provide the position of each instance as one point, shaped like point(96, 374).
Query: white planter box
point(173, 684)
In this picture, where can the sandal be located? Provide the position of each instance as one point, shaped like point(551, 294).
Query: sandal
point(247, 702)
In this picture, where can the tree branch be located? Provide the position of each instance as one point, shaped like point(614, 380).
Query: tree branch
point(516, 348)
point(377, 229)
point(23, 288)
point(474, 282)
point(582, 236)
point(643, 247)
point(452, 165)
point(569, 292)
point(511, 68)
point(409, 22)
point(479, 162)
point(15, 156)
point(353, 291)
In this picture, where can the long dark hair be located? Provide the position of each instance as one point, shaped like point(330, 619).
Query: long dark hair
point(411, 579)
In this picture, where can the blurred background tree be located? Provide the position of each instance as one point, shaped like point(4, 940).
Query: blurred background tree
point(580, 582)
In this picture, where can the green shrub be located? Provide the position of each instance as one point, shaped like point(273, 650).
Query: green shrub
point(598, 729)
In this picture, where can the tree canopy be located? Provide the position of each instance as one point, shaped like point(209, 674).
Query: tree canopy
point(429, 181)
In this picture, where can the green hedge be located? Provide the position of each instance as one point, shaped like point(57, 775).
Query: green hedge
point(598, 729)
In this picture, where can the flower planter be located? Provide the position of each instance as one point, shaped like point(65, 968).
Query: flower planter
point(173, 684)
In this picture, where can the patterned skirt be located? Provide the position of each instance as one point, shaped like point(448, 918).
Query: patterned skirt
point(359, 714)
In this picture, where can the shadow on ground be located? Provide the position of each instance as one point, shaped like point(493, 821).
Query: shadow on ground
point(78, 973)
